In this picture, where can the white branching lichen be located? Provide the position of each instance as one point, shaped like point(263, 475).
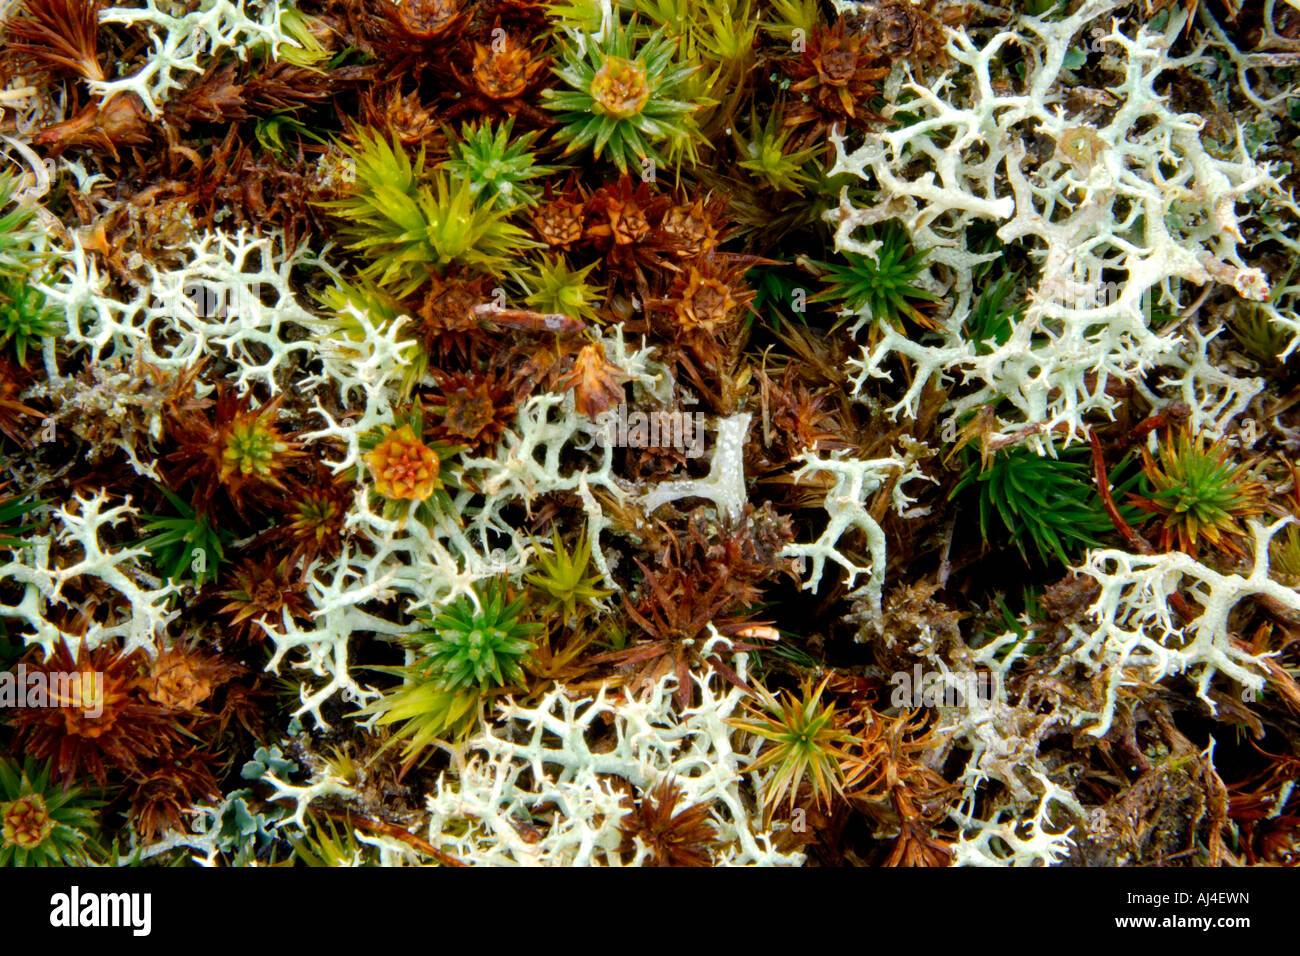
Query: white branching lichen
point(1038, 839)
point(854, 482)
point(1122, 211)
point(185, 42)
point(725, 483)
point(1133, 634)
point(488, 811)
point(142, 608)
point(233, 298)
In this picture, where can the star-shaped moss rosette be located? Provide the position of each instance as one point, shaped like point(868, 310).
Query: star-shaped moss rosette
point(12, 511)
point(43, 824)
point(252, 446)
point(1198, 493)
point(478, 644)
point(25, 318)
point(402, 466)
point(884, 288)
point(407, 472)
point(567, 578)
point(470, 647)
point(622, 99)
point(801, 739)
point(408, 220)
point(498, 164)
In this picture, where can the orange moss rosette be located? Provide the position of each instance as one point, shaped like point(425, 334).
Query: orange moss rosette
point(404, 467)
point(619, 88)
point(27, 822)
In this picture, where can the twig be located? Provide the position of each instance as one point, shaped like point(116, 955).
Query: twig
point(945, 568)
point(1172, 414)
point(1135, 541)
point(392, 830)
point(21, 93)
